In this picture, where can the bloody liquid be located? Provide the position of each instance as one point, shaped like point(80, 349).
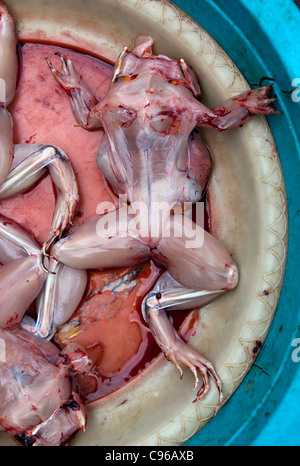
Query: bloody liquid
point(108, 322)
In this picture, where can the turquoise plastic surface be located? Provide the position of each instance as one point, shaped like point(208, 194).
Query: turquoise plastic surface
point(262, 38)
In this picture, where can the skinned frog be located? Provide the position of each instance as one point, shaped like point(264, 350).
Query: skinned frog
point(21, 166)
point(150, 153)
point(38, 405)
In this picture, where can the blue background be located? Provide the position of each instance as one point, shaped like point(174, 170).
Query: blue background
point(262, 38)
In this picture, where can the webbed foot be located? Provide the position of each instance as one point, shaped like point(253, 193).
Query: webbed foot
point(179, 353)
point(174, 348)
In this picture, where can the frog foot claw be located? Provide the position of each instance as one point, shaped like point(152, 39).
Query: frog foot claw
point(258, 101)
point(182, 354)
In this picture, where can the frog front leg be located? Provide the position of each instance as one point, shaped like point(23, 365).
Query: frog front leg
point(236, 111)
point(81, 97)
point(195, 163)
point(104, 164)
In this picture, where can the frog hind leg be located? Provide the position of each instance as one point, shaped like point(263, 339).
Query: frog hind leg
point(30, 163)
point(196, 275)
point(21, 275)
point(169, 295)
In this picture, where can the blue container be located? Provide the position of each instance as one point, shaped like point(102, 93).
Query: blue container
point(262, 38)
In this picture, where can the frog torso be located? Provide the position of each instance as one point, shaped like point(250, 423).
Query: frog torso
point(148, 115)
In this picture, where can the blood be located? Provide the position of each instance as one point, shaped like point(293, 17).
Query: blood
point(108, 321)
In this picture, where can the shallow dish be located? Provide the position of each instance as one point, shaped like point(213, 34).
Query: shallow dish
point(248, 214)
